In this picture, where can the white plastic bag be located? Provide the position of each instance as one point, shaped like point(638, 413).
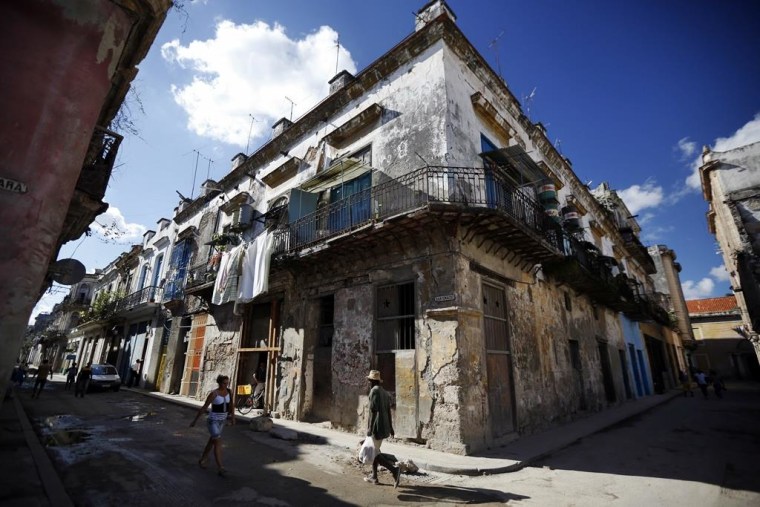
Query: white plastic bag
point(367, 452)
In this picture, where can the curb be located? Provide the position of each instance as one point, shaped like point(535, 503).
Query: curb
point(51, 483)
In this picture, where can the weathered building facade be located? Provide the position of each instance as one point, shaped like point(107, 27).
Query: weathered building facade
point(410, 231)
point(731, 186)
point(720, 346)
point(67, 67)
point(417, 222)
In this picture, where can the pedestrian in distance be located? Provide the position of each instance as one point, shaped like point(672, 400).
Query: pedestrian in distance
point(701, 379)
point(83, 380)
point(683, 377)
point(220, 401)
point(71, 376)
point(43, 372)
point(134, 373)
point(717, 383)
point(380, 427)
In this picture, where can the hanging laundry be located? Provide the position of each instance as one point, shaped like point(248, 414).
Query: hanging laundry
point(245, 289)
point(226, 285)
point(261, 268)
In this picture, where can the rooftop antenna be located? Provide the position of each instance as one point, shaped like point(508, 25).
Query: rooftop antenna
point(198, 155)
point(250, 129)
point(337, 53)
point(208, 170)
point(495, 45)
point(528, 99)
point(291, 107)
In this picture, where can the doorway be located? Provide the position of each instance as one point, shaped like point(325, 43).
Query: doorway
point(498, 361)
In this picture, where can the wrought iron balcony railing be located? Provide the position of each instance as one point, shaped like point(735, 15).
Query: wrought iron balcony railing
point(467, 187)
point(201, 275)
point(143, 296)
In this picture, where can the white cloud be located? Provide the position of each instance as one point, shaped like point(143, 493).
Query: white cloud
point(249, 69)
point(720, 273)
point(112, 227)
point(747, 134)
point(686, 148)
point(698, 290)
point(639, 197)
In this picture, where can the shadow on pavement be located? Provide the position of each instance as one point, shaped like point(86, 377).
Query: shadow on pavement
point(454, 495)
point(710, 441)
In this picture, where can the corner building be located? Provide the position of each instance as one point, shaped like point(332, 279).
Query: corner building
point(416, 222)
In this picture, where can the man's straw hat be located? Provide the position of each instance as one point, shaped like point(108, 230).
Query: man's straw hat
point(374, 375)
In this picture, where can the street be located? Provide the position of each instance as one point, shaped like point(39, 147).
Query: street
point(124, 448)
point(689, 451)
point(127, 448)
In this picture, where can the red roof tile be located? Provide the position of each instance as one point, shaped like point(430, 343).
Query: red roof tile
point(712, 305)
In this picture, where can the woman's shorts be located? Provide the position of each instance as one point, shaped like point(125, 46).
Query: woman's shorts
point(215, 427)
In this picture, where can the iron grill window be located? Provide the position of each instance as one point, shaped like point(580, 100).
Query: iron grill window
point(395, 317)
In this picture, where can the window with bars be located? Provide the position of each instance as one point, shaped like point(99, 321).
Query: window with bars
point(395, 317)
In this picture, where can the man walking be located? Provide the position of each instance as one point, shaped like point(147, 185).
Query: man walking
point(701, 379)
point(43, 372)
point(380, 427)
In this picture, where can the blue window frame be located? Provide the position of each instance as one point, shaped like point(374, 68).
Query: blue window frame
point(350, 203)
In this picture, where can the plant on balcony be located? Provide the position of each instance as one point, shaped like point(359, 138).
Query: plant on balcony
point(103, 306)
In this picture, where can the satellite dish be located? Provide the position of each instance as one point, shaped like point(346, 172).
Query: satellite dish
point(67, 271)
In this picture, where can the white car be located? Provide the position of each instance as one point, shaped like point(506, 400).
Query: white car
point(105, 376)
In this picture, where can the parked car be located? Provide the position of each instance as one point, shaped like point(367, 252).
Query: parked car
point(105, 376)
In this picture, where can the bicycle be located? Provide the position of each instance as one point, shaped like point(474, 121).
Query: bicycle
point(247, 399)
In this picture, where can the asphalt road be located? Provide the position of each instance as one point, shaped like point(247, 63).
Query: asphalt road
point(124, 448)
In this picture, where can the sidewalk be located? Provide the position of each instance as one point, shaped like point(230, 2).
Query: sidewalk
point(508, 458)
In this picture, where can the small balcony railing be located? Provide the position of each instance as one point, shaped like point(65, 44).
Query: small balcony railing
point(200, 275)
point(638, 250)
point(467, 187)
point(143, 296)
point(587, 270)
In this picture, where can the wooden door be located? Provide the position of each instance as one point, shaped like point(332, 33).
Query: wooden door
point(498, 361)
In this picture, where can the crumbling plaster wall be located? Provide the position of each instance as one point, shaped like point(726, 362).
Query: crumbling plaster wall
point(540, 329)
point(219, 348)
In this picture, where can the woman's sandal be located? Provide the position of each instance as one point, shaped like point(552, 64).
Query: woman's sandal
point(222, 472)
point(202, 463)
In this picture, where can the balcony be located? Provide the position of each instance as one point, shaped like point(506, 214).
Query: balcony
point(645, 306)
point(637, 250)
point(200, 277)
point(488, 207)
point(586, 270)
point(141, 298)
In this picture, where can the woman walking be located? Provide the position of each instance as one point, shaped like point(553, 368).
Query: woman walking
point(220, 400)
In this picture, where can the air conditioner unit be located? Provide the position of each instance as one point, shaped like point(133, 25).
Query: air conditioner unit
point(242, 217)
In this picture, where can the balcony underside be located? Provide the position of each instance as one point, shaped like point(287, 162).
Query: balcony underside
point(490, 229)
point(572, 272)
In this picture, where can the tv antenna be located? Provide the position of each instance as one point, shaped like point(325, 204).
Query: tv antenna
point(250, 129)
point(198, 156)
point(291, 106)
point(337, 53)
point(495, 45)
point(528, 100)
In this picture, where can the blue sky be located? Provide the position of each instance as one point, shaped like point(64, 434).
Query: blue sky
point(629, 92)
